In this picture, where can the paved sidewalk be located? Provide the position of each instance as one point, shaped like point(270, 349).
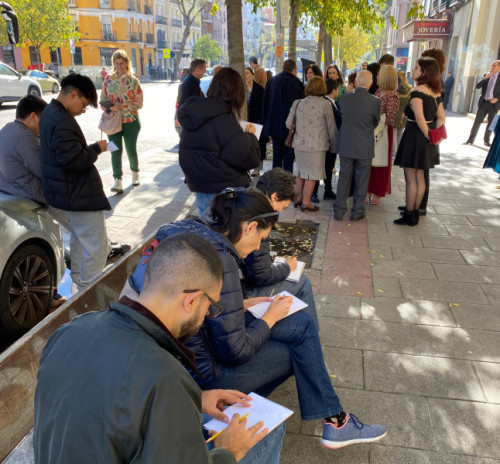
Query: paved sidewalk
point(409, 317)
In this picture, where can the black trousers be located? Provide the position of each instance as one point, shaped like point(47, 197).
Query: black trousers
point(485, 109)
point(330, 159)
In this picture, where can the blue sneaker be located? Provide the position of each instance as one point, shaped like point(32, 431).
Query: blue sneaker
point(353, 431)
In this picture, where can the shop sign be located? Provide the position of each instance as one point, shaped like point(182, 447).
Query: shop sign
point(426, 30)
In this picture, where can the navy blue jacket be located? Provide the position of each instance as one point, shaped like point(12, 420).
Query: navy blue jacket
point(214, 152)
point(226, 339)
point(336, 113)
point(190, 87)
point(260, 271)
point(70, 181)
point(280, 93)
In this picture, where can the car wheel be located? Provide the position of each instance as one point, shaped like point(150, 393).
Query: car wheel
point(34, 91)
point(55, 88)
point(26, 289)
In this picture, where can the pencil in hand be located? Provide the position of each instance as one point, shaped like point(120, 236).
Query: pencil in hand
point(213, 437)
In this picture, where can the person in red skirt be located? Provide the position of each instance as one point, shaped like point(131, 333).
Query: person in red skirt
point(380, 177)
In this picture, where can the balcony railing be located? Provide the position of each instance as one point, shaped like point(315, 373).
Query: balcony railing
point(160, 19)
point(161, 43)
point(207, 18)
point(150, 38)
point(105, 3)
point(175, 22)
point(176, 45)
point(134, 37)
point(108, 36)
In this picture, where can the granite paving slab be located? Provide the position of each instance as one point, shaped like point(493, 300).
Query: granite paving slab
point(466, 427)
point(489, 376)
point(468, 273)
point(428, 255)
point(461, 292)
point(338, 306)
point(456, 343)
point(425, 312)
point(421, 375)
point(455, 242)
point(474, 316)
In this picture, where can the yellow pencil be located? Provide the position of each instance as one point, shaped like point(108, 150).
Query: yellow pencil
point(213, 437)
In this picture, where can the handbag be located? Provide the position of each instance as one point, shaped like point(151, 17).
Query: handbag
point(437, 135)
point(291, 131)
point(381, 148)
point(111, 122)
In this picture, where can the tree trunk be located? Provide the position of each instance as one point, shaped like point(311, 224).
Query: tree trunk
point(292, 30)
point(235, 42)
point(328, 50)
point(185, 36)
point(321, 39)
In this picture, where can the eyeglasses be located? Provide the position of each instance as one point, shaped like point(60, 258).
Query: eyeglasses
point(83, 102)
point(264, 215)
point(215, 309)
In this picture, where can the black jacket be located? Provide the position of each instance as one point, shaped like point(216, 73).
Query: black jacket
point(280, 93)
point(70, 180)
point(214, 152)
point(189, 88)
point(260, 271)
point(226, 339)
point(112, 389)
point(483, 85)
point(255, 104)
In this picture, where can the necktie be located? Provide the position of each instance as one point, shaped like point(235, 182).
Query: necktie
point(491, 86)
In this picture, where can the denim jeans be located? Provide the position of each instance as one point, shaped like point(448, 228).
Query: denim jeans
point(294, 348)
point(266, 451)
point(203, 201)
point(301, 289)
point(88, 246)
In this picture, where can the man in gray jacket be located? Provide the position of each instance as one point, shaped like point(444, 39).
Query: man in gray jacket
point(20, 168)
point(360, 115)
point(114, 387)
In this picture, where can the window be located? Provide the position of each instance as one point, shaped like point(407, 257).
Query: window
point(33, 55)
point(6, 71)
point(55, 56)
point(77, 57)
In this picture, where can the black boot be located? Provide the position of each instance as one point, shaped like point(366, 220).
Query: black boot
point(409, 218)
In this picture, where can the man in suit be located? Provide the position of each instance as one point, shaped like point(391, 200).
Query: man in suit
point(360, 115)
point(281, 91)
point(259, 73)
point(488, 104)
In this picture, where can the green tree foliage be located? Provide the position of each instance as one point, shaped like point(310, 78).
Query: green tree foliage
point(43, 23)
point(354, 44)
point(207, 49)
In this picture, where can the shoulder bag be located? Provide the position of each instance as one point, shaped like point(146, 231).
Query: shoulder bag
point(291, 131)
point(437, 135)
point(381, 134)
point(111, 122)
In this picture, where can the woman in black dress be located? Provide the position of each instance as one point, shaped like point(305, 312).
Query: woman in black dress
point(415, 154)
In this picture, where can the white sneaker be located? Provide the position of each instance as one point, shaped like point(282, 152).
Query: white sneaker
point(117, 187)
point(135, 178)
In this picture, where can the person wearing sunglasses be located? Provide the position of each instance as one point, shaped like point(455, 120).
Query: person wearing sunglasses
point(238, 351)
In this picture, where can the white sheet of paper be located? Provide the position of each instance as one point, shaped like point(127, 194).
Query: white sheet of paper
point(294, 276)
point(258, 310)
point(112, 146)
point(258, 127)
point(261, 409)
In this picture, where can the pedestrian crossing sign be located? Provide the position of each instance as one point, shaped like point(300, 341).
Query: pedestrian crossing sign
point(166, 53)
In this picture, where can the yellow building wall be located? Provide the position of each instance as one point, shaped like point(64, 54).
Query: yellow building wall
point(91, 34)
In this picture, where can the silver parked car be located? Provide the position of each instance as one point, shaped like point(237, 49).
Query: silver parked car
point(14, 86)
point(31, 263)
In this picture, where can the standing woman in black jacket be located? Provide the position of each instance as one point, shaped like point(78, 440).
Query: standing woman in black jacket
point(214, 152)
point(255, 96)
